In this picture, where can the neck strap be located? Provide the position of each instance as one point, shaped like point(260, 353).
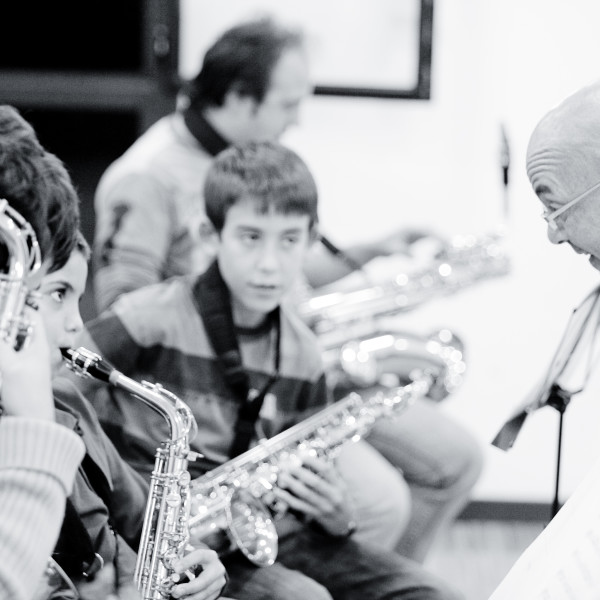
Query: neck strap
point(206, 135)
point(213, 302)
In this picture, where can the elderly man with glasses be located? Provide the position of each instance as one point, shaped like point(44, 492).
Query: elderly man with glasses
point(563, 165)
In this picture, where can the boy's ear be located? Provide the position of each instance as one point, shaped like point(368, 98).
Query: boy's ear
point(239, 104)
point(209, 237)
point(313, 234)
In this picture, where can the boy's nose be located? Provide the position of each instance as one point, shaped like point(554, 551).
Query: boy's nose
point(267, 258)
point(75, 323)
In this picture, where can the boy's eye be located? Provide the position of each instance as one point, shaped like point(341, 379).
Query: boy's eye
point(58, 295)
point(290, 240)
point(250, 236)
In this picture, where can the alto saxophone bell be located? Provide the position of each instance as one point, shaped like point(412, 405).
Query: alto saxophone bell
point(388, 359)
point(360, 352)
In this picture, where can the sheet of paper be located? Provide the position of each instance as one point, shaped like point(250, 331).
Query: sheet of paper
point(563, 562)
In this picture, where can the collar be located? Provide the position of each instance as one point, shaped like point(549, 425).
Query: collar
point(213, 303)
point(66, 416)
point(270, 322)
point(206, 135)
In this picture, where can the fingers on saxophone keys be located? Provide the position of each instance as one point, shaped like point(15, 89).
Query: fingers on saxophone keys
point(209, 591)
point(296, 503)
point(314, 473)
point(200, 573)
point(308, 492)
point(299, 480)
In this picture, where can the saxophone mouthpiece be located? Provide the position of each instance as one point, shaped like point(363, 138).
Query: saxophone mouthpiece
point(87, 364)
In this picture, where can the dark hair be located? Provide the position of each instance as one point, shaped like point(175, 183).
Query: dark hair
point(242, 59)
point(37, 185)
point(267, 173)
point(63, 211)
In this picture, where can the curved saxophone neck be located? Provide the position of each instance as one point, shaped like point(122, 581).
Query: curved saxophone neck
point(86, 363)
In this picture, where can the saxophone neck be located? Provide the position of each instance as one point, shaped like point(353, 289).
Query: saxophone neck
point(178, 415)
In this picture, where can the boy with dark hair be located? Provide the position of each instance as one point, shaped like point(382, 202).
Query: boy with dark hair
point(37, 185)
point(38, 456)
point(105, 510)
point(248, 368)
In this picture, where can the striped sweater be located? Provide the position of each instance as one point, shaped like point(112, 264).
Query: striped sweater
point(156, 334)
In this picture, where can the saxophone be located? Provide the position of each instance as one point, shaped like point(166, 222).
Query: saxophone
point(165, 530)
point(22, 261)
point(375, 356)
point(231, 503)
point(466, 260)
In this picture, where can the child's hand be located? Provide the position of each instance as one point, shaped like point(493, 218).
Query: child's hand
point(206, 585)
point(316, 489)
point(25, 386)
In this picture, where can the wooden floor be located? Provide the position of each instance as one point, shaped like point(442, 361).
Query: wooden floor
point(474, 555)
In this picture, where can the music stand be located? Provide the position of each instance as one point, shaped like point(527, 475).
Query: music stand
point(578, 341)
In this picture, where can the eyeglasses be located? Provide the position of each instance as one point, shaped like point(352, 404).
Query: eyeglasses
point(550, 217)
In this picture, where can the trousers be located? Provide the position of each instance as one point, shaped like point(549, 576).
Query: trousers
point(411, 476)
point(316, 566)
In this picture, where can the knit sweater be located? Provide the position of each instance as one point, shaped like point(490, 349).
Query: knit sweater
point(156, 334)
point(38, 463)
point(149, 209)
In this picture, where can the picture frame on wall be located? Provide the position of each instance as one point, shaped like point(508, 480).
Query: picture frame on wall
point(361, 48)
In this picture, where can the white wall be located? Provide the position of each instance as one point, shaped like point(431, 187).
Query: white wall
point(381, 164)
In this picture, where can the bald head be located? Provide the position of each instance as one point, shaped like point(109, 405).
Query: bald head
point(563, 165)
point(564, 148)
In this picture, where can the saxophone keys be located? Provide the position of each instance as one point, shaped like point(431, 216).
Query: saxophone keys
point(184, 478)
point(173, 500)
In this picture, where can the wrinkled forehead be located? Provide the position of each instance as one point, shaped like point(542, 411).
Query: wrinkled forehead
point(564, 148)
